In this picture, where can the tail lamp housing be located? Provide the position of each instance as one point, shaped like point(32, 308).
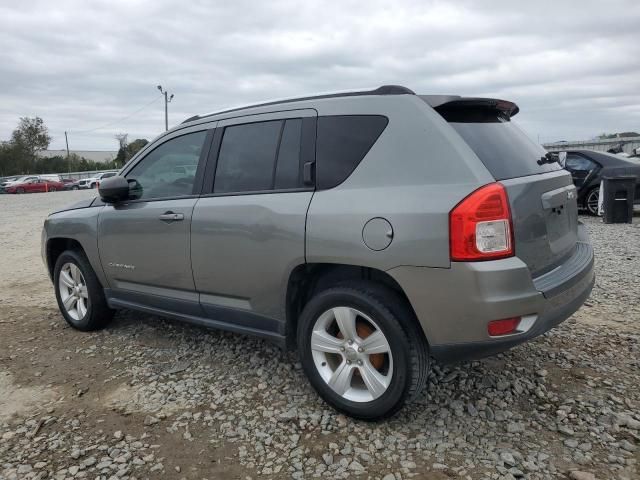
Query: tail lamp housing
point(480, 226)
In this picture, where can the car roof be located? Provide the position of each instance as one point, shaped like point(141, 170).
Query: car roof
point(383, 90)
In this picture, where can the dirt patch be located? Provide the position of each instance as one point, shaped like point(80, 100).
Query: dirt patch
point(15, 399)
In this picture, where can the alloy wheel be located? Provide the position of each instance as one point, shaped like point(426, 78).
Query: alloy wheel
point(592, 201)
point(352, 354)
point(73, 291)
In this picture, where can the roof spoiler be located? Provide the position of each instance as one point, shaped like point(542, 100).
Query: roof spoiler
point(454, 102)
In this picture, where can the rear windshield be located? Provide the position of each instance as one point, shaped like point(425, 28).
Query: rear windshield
point(505, 150)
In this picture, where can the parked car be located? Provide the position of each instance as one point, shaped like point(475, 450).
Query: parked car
point(588, 167)
point(71, 183)
point(370, 230)
point(6, 181)
point(93, 182)
point(34, 184)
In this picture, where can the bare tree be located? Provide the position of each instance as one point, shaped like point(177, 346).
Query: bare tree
point(123, 154)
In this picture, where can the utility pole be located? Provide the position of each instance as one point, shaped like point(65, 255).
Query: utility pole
point(66, 139)
point(167, 100)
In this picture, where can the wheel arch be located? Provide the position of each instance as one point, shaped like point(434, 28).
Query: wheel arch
point(55, 247)
point(305, 280)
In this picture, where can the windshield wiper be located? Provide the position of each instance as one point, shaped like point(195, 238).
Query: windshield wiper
point(549, 157)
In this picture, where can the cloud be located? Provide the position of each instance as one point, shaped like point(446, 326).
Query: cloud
point(573, 67)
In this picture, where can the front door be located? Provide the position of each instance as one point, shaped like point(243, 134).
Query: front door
point(248, 232)
point(144, 244)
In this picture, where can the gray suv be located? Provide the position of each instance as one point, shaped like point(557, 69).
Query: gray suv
point(373, 231)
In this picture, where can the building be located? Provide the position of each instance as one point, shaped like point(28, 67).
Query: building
point(94, 155)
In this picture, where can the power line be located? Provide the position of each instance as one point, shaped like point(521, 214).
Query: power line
point(84, 132)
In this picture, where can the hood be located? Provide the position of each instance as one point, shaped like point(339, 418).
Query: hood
point(86, 203)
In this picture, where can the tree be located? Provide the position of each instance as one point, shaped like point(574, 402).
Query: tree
point(123, 154)
point(135, 146)
point(31, 136)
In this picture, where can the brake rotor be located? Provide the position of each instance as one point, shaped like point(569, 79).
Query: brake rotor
point(363, 329)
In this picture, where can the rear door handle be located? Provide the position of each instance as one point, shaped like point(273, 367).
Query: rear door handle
point(171, 217)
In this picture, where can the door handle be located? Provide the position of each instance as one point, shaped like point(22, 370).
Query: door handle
point(171, 217)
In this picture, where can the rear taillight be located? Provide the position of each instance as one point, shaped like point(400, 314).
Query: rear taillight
point(480, 226)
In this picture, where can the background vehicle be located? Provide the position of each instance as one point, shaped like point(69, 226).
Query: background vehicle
point(70, 183)
point(93, 182)
point(16, 180)
point(34, 184)
point(370, 230)
point(4, 181)
point(588, 167)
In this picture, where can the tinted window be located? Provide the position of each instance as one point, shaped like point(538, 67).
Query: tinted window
point(504, 149)
point(578, 163)
point(247, 157)
point(342, 142)
point(170, 169)
point(288, 168)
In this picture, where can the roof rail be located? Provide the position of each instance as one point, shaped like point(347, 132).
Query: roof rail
point(383, 90)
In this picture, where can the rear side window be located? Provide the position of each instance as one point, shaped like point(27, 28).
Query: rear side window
point(342, 142)
point(578, 163)
point(259, 156)
point(505, 150)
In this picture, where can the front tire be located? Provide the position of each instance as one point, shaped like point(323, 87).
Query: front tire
point(19, 190)
point(362, 351)
point(79, 293)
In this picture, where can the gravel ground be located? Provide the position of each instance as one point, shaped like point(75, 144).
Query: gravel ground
point(151, 398)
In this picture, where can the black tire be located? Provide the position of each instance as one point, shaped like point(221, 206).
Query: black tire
point(52, 189)
point(593, 192)
point(98, 312)
point(20, 190)
point(398, 324)
point(75, 187)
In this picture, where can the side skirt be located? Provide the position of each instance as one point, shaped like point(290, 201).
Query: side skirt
point(237, 321)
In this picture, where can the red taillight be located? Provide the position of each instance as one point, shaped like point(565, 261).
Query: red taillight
point(480, 226)
point(503, 327)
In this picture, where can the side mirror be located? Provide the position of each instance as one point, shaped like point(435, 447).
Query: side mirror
point(114, 189)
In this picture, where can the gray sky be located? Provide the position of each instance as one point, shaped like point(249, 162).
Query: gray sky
point(573, 67)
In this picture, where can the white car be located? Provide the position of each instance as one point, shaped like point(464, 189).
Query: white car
point(93, 182)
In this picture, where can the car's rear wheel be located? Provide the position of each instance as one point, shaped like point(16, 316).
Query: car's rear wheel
point(591, 200)
point(79, 293)
point(361, 350)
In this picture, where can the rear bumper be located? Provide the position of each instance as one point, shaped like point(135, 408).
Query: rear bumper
point(455, 305)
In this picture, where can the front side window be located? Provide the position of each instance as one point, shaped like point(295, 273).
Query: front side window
point(258, 157)
point(170, 169)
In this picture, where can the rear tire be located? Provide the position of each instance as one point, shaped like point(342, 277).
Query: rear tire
point(347, 369)
point(79, 293)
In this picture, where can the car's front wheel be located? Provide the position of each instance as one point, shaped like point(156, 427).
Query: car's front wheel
point(361, 351)
point(79, 293)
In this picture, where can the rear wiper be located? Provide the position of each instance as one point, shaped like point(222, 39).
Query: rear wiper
point(549, 157)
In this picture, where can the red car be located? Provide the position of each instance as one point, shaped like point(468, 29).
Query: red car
point(31, 185)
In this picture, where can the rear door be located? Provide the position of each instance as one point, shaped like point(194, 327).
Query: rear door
point(248, 228)
point(144, 244)
point(541, 193)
